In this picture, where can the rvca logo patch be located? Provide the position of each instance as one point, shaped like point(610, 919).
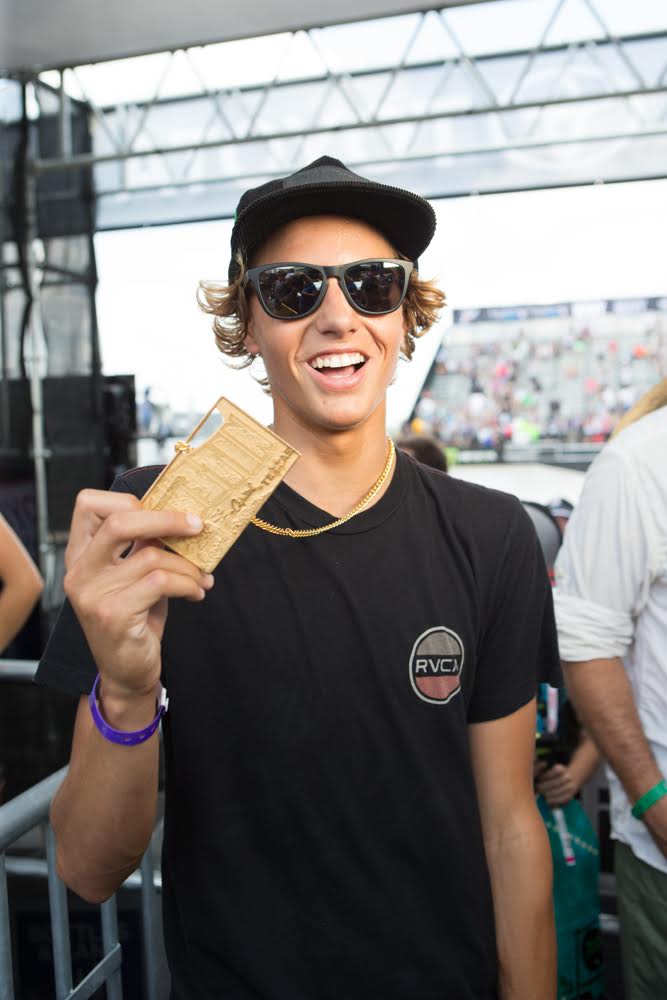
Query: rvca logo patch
point(436, 664)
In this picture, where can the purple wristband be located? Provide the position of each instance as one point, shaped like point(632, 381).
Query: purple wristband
point(117, 735)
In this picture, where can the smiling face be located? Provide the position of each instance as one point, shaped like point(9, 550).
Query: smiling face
point(329, 371)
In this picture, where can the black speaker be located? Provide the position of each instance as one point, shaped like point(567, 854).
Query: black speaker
point(89, 432)
point(74, 435)
point(120, 424)
point(15, 431)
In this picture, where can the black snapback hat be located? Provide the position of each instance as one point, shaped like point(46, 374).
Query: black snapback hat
point(327, 187)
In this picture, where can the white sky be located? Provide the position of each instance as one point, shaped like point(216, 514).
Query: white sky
point(605, 241)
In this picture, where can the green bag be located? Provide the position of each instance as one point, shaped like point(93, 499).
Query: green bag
point(576, 863)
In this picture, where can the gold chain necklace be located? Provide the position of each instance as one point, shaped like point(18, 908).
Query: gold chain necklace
point(273, 529)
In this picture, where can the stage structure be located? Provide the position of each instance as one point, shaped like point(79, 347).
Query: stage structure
point(473, 98)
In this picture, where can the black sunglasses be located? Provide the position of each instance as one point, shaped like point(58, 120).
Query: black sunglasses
point(292, 291)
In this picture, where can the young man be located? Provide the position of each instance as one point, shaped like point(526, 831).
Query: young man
point(351, 719)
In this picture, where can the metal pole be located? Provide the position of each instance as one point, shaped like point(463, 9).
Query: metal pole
point(37, 362)
point(64, 119)
point(516, 147)
point(62, 955)
point(109, 915)
point(17, 671)
point(6, 975)
point(90, 159)
point(5, 435)
point(151, 945)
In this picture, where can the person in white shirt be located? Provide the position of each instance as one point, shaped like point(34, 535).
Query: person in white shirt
point(611, 611)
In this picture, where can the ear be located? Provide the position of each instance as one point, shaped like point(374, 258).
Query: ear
point(250, 343)
point(405, 343)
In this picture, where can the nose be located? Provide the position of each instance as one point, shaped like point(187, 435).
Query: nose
point(335, 314)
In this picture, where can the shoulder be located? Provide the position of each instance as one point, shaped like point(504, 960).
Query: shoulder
point(644, 433)
point(642, 444)
point(631, 469)
point(137, 481)
point(490, 519)
point(621, 514)
point(471, 499)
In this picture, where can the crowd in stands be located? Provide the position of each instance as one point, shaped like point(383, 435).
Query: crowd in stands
point(490, 385)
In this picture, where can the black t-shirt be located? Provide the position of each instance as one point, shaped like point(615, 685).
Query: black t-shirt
point(322, 837)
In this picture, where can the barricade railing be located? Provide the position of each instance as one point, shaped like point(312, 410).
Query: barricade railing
point(30, 811)
point(18, 671)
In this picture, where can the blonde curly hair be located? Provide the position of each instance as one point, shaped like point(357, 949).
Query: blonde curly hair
point(228, 304)
point(654, 399)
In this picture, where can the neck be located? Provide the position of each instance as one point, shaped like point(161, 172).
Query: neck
point(337, 468)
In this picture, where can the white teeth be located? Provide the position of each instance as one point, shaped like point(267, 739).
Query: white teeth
point(337, 360)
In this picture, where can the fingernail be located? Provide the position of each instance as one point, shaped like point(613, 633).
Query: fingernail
point(194, 521)
point(208, 580)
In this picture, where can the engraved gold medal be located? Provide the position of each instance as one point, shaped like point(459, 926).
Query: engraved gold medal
point(225, 480)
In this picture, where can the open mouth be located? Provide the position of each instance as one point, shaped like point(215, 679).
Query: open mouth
point(338, 365)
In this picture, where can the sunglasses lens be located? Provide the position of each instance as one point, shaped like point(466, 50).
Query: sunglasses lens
point(376, 286)
point(288, 292)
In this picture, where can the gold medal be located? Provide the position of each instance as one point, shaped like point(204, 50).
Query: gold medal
point(225, 480)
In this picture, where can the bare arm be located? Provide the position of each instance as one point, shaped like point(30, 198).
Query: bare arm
point(518, 855)
point(585, 761)
point(604, 700)
point(104, 812)
point(22, 585)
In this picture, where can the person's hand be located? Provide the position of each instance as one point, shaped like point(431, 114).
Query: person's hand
point(121, 603)
point(655, 819)
point(557, 785)
point(539, 767)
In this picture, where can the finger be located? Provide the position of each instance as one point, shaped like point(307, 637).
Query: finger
point(122, 528)
point(149, 558)
point(124, 614)
point(146, 592)
point(550, 781)
point(559, 792)
point(547, 785)
point(91, 509)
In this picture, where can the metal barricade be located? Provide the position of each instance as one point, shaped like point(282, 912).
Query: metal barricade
point(18, 671)
point(23, 814)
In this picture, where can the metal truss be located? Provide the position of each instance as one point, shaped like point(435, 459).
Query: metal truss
point(582, 107)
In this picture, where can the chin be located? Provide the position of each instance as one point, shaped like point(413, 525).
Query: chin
point(344, 413)
point(346, 418)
